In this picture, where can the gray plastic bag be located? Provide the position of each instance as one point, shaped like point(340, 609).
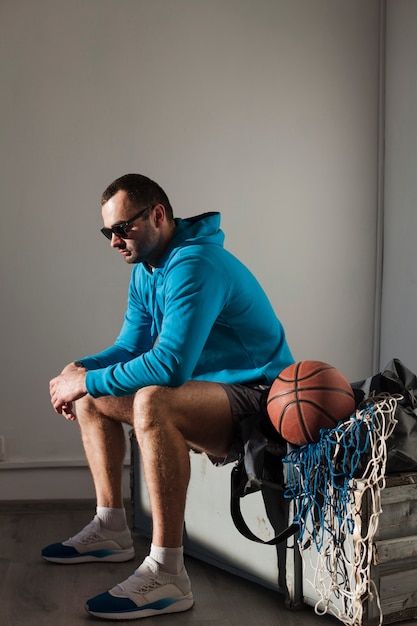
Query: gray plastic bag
point(396, 379)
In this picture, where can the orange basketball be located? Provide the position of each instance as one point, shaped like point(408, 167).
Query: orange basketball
point(306, 397)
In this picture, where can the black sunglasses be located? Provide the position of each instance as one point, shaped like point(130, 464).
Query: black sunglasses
point(122, 229)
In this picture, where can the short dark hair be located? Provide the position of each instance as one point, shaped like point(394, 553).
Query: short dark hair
point(141, 191)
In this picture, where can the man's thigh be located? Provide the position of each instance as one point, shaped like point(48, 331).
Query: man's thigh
point(209, 415)
point(199, 410)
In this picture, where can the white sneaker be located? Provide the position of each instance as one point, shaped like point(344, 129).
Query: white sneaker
point(92, 543)
point(146, 593)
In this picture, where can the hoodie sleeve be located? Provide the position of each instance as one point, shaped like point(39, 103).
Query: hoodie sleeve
point(195, 293)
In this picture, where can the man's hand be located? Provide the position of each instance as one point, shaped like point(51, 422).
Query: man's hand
point(67, 387)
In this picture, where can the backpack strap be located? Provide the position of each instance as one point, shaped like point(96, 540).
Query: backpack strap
point(240, 523)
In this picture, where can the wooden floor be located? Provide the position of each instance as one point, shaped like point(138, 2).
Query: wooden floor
point(36, 593)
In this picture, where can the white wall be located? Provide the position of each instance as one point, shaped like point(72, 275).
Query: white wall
point(265, 110)
point(399, 296)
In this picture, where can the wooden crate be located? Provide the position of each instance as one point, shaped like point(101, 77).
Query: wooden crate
point(393, 570)
point(394, 563)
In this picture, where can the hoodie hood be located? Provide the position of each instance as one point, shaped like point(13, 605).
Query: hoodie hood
point(201, 229)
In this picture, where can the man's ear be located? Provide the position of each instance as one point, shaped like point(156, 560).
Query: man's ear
point(159, 214)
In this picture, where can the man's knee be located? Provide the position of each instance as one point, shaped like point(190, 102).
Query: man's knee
point(153, 406)
point(148, 401)
point(118, 409)
point(85, 406)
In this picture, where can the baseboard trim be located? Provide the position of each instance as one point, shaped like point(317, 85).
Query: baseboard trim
point(23, 507)
point(50, 480)
point(29, 465)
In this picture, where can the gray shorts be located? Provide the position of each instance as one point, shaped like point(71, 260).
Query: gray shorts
point(247, 402)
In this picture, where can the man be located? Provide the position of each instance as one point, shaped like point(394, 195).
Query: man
point(199, 345)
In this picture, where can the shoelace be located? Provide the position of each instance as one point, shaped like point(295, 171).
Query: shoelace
point(90, 532)
point(152, 584)
point(93, 536)
point(130, 585)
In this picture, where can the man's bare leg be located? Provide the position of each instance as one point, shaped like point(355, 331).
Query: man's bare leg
point(104, 444)
point(107, 537)
point(168, 420)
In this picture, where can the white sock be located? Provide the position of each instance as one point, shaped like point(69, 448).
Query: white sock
point(171, 560)
point(112, 519)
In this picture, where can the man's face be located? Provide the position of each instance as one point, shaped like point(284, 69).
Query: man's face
point(142, 238)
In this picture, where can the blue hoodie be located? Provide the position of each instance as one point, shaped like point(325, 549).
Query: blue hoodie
point(201, 315)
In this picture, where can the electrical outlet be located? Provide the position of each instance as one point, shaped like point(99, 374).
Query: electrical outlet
point(2, 448)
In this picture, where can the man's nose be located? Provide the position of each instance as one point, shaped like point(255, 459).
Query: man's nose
point(115, 240)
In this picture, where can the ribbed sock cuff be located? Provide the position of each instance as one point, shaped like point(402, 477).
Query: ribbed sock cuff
point(112, 519)
point(171, 560)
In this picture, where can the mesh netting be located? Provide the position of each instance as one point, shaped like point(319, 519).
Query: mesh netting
point(327, 483)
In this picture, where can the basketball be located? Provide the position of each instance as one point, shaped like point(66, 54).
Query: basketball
point(306, 397)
